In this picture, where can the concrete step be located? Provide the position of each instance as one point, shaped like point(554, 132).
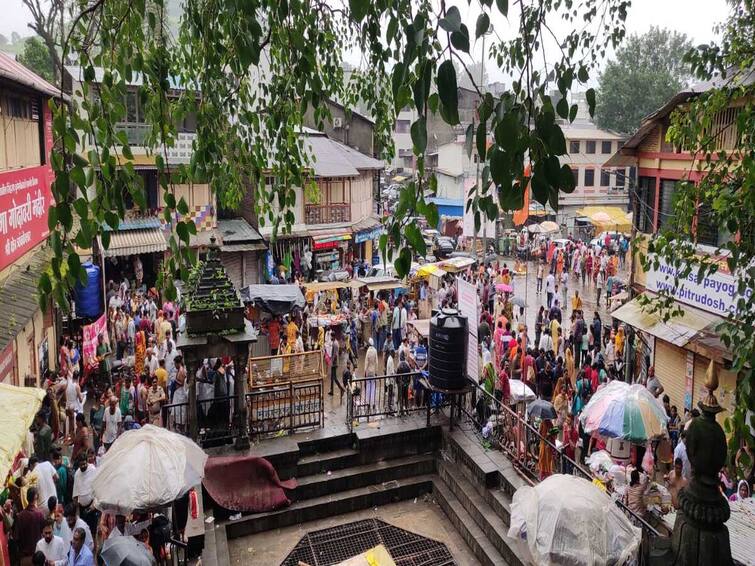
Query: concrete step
point(327, 462)
point(500, 501)
point(467, 452)
point(321, 441)
point(473, 535)
point(346, 501)
point(359, 476)
point(483, 513)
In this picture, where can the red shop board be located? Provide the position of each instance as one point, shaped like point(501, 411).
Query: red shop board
point(25, 198)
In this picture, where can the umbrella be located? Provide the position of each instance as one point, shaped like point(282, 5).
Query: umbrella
point(543, 521)
point(541, 409)
point(520, 392)
point(534, 229)
point(126, 551)
point(518, 301)
point(503, 288)
point(549, 226)
point(146, 469)
point(620, 410)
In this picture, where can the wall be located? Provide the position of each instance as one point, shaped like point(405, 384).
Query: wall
point(450, 187)
point(615, 193)
point(361, 196)
point(27, 343)
point(356, 132)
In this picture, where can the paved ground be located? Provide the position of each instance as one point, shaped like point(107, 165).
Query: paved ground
point(422, 516)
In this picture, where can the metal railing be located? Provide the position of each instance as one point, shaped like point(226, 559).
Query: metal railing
point(524, 446)
point(388, 395)
point(285, 407)
point(267, 371)
point(327, 213)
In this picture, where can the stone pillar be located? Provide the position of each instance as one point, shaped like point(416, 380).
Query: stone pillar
point(700, 535)
point(240, 414)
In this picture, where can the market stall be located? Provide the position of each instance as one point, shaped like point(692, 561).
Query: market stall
point(273, 299)
point(456, 264)
point(607, 218)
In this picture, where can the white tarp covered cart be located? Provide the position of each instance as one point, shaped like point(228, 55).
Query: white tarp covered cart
point(566, 520)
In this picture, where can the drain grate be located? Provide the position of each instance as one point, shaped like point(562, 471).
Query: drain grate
point(336, 544)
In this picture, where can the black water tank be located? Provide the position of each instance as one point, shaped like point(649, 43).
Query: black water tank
point(448, 350)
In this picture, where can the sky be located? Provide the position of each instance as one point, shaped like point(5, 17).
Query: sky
point(695, 18)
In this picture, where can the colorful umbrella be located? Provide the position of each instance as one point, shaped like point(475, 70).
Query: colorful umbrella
point(620, 410)
point(503, 288)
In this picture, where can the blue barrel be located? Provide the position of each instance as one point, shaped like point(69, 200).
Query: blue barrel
point(88, 297)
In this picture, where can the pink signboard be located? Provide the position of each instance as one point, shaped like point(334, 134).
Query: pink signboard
point(25, 198)
point(89, 342)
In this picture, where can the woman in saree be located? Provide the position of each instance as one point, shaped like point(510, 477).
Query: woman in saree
point(140, 351)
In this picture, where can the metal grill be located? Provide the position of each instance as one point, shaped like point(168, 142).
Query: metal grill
point(336, 544)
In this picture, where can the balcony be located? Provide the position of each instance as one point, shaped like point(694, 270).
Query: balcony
point(327, 213)
point(137, 133)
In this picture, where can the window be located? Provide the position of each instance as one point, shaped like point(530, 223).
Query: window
point(132, 105)
point(575, 173)
point(402, 126)
point(605, 147)
point(589, 177)
point(645, 204)
point(605, 178)
point(590, 146)
point(574, 146)
point(666, 203)
point(621, 178)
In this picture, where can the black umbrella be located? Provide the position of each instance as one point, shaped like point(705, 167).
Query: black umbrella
point(541, 409)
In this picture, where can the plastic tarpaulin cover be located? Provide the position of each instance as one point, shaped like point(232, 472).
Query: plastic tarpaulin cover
point(147, 468)
point(18, 405)
point(275, 299)
point(566, 520)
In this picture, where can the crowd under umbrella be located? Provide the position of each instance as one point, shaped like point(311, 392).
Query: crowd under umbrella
point(126, 551)
point(541, 409)
point(543, 523)
point(621, 410)
point(147, 469)
point(518, 302)
point(503, 288)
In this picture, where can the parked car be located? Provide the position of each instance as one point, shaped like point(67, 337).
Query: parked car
point(443, 247)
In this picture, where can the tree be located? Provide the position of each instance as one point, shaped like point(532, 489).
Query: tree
point(47, 19)
point(647, 72)
point(3, 40)
point(726, 194)
point(36, 57)
point(253, 70)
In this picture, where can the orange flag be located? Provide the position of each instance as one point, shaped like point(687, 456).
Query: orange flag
point(521, 215)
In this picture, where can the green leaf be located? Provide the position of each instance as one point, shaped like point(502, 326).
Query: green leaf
point(415, 239)
point(52, 218)
point(566, 179)
point(105, 239)
point(78, 177)
point(503, 6)
point(448, 93)
point(432, 102)
point(431, 214)
point(359, 9)
point(74, 264)
point(582, 74)
point(460, 39)
point(563, 108)
point(482, 141)
point(469, 139)
point(112, 220)
point(552, 170)
point(452, 21)
point(183, 232)
point(482, 26)
point(170, 200)
point(126, 151)
point(590, 95)
point(573, 112)
point(540, 188)
point(419, 135)
point(499, 166)
point(182, 207)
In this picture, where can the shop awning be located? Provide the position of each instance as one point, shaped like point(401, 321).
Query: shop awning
point(678, 330)
point(430, 269)
point(607, 218)
point(326, 285)
point(378, 283)
point(18, 405)
point(275, 299)
point(454, 264)
point(134, 242)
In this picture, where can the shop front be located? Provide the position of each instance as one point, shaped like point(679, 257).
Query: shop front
point(134, 255)
point(365, 244)
point(330, 252)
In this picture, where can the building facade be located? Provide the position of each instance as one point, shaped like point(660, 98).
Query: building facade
point(588, 150)
point(682, 348)
point(350, 128)
point(142, 236)
point(28, 334)
point(338, 224)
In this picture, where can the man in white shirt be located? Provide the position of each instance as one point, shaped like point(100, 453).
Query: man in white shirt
point(82, 483)
point(681, 452)
point(111, 423)
point(75, 522)
point(151, 362)
point(54, 548)
point(396, 324)
point(546, 342)
point(550, 288)
point(46, 478)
